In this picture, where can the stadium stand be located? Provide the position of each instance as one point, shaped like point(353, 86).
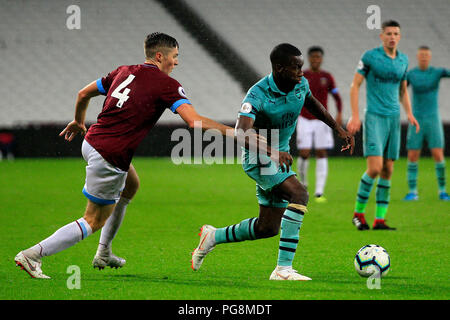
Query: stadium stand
point(254, 27)
point(44, 64)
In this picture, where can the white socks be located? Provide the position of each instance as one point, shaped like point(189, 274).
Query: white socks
point(62, 239)
point(321, 175)
point(74, 232)
point(302, 168)
point(112, 225)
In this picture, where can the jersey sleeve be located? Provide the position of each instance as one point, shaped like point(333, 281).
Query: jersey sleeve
point(364, 64)
point(408, 77)
point(405, 73)
point(173, 95)
point(445, 73)
point(104, 83)
point(332, 84)
point(307, 88)
point(335, 92)
point(251, 104)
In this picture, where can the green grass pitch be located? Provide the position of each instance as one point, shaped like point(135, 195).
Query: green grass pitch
point(161, 226)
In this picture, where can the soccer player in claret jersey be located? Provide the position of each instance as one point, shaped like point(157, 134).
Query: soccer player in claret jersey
point(384, 69)
point(312, 132)
point(273, 103)
point(136, 97)
point(424, 80)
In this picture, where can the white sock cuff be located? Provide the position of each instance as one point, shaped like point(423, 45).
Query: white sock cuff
point(85, 228)
point(322, 163)
point(124, 201)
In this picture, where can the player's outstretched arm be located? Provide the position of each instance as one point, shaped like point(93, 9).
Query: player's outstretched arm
point(354, 123)
point(77, 125)
point(317, 109)
point(406, 102)
point(194, 120)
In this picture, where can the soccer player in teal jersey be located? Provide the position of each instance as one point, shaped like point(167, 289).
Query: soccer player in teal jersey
point(274, 103)
point(424, 81)
point(384, 69)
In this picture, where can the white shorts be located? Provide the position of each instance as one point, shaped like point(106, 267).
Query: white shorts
point(104, 182)
point(313, 133)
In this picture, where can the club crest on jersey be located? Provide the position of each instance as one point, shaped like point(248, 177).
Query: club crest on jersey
point(360, 65)
point(246, 107)
point(323, 81)
point(182, 92)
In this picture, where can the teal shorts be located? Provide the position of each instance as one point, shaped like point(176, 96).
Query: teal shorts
point(381, 136)
point(267, 177)
point(431, 130)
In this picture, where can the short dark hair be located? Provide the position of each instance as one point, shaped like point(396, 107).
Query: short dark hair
point(315, 49)
point(158, 41)
point(424, 48)
point(389, 23)
point(281, 53)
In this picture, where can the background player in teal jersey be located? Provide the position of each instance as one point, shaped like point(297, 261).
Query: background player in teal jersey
point(274, 103)
point(424, 80)
point(384, 69)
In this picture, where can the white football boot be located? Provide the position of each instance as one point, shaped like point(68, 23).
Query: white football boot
point(105, 258)
point(206, 245)
point(30, 265)
point(287, 273)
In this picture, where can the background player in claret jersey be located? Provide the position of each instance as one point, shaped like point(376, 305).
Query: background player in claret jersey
point(273, 103)
point(384, 69)
point(136, 97)
point(424, 80)
point(313, 133)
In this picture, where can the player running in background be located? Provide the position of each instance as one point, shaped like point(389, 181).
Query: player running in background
point(273, 103)
point(136, 97)
point(313, 132)
point(384, 69)
point(424, 80)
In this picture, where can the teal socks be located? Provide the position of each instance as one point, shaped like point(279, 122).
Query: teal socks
point(382, 197)
point(365, 186)
point(245, 230)
point(440, 174)
point(290, 228)
point(412, 176)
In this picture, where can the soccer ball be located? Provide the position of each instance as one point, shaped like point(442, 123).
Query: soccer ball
point(370, 259)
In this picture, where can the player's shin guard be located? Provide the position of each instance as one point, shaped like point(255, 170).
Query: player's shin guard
point(302, 166)
point(65, 237)
point(321, 175)
point(289, 236)
point(245, 230)
point(440, 174)
point(413, 169)
point(113, 224)
point(365, 186)
point(382, 198)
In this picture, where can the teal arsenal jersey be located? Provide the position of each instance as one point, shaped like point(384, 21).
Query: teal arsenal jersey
point(425, 87)
point(383, 76)
point(274, 109)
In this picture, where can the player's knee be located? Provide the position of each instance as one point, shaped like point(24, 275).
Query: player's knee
point(374, 171)
point(94, 222)
point(267, 231)
point(300, 196)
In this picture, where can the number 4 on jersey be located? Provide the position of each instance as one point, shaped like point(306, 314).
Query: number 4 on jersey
point(122, 96)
